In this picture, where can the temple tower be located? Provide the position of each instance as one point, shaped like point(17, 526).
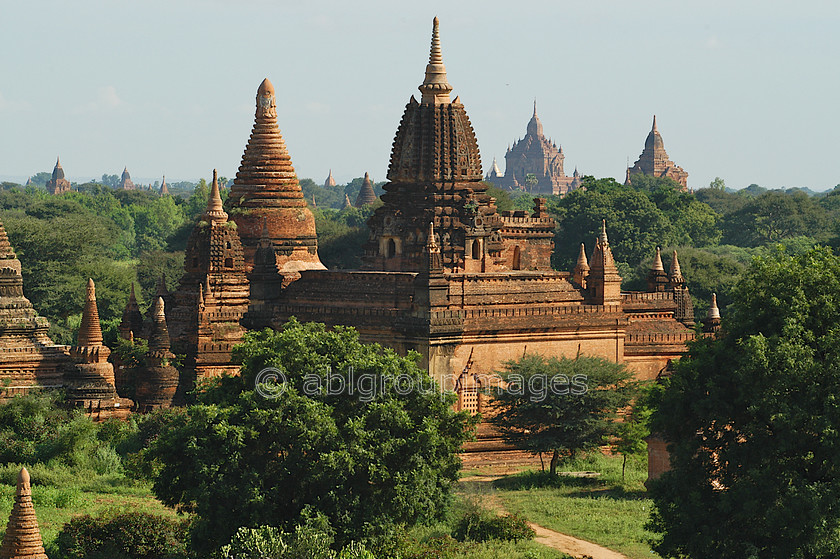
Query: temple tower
point(23, 537)
point(266, 187)
point(158, 380)
point(213, 294)
point(657, 279)
point(89, 379)
point(538, 156)
point(28, 357)
point(434, 176)
point(711, 324)
point(164, 189)
point(57, 183)
point(366, 195)
point(330, 182)
point(654, 160)
point(603, 282)
point(125, 180)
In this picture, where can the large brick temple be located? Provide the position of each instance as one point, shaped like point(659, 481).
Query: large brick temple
point(654, 161)
point(445, 273)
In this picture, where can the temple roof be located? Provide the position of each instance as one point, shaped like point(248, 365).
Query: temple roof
point(58, 171)
point(535, 127)
point(654, 138)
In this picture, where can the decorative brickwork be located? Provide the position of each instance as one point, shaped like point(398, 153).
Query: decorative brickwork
point(23, 537)
point(213, 294)
point(266, 187)
point(158, 380)
point(654, 160)
point(28, 357)
point(57, 183)
point(89, 379)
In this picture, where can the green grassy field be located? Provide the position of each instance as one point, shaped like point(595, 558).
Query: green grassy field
point(604, 509)
point(59, 494)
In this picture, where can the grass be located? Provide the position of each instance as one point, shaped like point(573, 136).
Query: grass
point(605, 510)
point(59, 494)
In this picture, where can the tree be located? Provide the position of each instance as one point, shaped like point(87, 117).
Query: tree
point(366, 458)
point(773, 216)
point(718, 184)
point(753, 422)
point(561, 406)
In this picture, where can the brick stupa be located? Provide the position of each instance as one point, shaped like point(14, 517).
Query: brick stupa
point(23, 537)
point(654, 160)
point(89, 379)
point(213, 293)
point(366, 194)
point(164, 188)
point(57, 183)
point(28, 357)
point(266, 187)
point(158, 380)
point(125, 180)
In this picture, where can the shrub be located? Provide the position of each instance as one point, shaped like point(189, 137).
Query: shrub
point(123, 536)
point(482, 526)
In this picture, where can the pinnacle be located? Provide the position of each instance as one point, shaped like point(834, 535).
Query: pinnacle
point(714, 311)
point(676, 272)
point(657, 261)
point(581, 261)
point(603, 236)
point(654, 129)
point(215, 212)
point(159, 338)
point(435, 87)
point(23, 538)
point(90, 331)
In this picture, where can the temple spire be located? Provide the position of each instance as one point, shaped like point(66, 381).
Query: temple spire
point(435, 87)
point(90, 331)
point(366, 194)
point(654, 129)
point(714, 311)
point(657, 262)
point(581, 270)
point(159, 337)
point(675, 276)
point(215, 212)
point(603, 236)
point(23, 538)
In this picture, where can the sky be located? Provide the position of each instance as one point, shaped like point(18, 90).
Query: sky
point(744, 90)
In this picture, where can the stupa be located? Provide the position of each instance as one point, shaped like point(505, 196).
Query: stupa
point(23, 537)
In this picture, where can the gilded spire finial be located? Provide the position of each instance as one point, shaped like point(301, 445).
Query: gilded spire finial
point(435, 87)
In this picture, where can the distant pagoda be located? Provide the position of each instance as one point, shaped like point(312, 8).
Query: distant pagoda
point(654, 161)
point(267, 189)
point(57, 183)
point(125, 180)
point(330, 182)
point(366, 194)
point(164, 189)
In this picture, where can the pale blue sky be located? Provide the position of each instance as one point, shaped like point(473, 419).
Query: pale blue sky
point(745, 90)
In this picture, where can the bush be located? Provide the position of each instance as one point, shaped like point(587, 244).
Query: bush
point(480, 526)
point(309, 541)
point(123, 536)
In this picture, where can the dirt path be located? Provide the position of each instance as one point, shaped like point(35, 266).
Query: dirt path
point(561, 542)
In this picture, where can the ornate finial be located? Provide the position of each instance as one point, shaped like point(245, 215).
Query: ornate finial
point(431, 242)
point(215, 210)
point(159, 312)
point(657, 261)
point(603, 237)
point(57, 164)
point(581, 261)
point(654, 129)
point(90, 331)
point(714, 311)
point(266, 103)
point(23, 487)
point(535, 106)
point(676, 273)
point(435, 87)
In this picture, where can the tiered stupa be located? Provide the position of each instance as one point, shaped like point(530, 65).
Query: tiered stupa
point(157, 382)
point(330, 182)
point(434, 176)
point(89, 379)
point(213, 294)
point(125, 180)
point(266, 187)
point(23, 537)
point(654, 160)
point(57, 183)
point(366, 194)
point(28, 357)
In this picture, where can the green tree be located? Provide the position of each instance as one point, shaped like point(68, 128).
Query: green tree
point(753, 422)
point(561, 406)
point(365, 460)
point(773, 216)
point(718, 184)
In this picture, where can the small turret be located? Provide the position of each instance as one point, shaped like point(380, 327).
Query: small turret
point(215, 212)
point(581, 271)
point(604, 282)
point(675, 277)
point(657, 279)
point(23, 537)
point(711, 324)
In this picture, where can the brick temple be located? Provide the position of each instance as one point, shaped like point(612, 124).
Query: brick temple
point(534, 164)
point(57, 183)
point(654, 161)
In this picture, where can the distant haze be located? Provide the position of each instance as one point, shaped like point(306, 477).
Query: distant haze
point(743, 90)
